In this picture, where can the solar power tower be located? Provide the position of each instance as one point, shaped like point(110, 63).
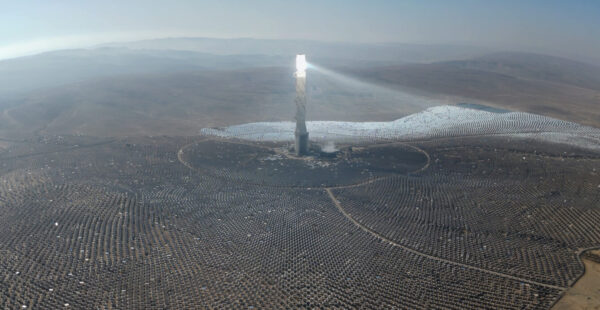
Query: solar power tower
point(301, 145)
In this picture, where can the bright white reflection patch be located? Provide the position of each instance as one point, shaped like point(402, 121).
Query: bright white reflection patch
point(301, 65)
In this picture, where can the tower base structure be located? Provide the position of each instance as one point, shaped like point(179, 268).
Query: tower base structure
point(301, 146)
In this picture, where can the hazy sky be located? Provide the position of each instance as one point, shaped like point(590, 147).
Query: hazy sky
point(567, 27)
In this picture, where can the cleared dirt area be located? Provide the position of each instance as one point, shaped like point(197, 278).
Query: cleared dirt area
point(585, 294)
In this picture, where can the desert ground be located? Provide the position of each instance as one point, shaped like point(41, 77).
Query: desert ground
point(462, 182)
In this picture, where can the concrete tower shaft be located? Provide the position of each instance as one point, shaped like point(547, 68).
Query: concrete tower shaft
point(301, 134)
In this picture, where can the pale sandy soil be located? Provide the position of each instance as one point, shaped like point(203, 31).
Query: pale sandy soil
point(585, 294)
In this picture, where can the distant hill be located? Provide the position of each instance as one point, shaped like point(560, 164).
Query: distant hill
point(540, 84)
point(330, 52)
point(536, 67)
point(58, 68)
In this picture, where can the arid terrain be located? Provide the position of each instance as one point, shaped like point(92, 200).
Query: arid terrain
point(585, 294)
point(132, 189)
point(538, 84)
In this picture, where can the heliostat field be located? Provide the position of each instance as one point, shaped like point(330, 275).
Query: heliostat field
point(484, 220)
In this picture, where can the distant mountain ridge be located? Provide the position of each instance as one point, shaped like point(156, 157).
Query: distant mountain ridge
point(535, 66)
point(329, 51)
point(58, 68)
point(540, 84)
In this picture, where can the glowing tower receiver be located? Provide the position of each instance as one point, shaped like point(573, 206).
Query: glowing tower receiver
point(301, 145)
point(301, 65)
